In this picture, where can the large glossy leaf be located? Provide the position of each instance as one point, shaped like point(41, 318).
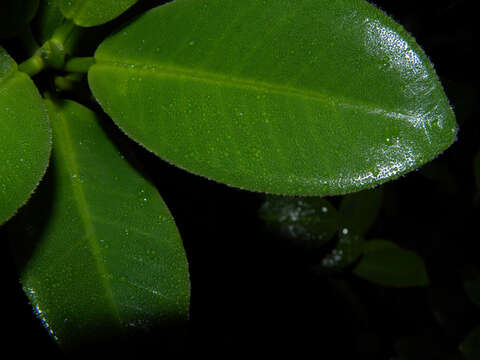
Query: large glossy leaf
point(93, 12)
point(387, 264)
point(25, 137)
point(289, 97)
point(99, 252)
point(15, 15)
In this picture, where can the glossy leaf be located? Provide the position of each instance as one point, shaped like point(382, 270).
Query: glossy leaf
point(308, 97)
point(25, 137)
point(387, 264)
point(308, 221)
point(93, 12)
point(15, 15)
point(470, 347)
point(99, 252)
point(360, 210)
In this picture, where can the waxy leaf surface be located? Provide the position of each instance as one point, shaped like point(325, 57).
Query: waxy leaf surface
point(387, 264)
point(99, 252)
point(93, 12)
point(289, 97)
point(25, 137)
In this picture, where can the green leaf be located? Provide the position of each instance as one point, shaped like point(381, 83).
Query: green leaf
point(311, 221)
point(387, 264)
point(348, 250)
point(99, 252)
point(309, 97)
point(47, 20)
point(359, 210)
point(15, 15)
point(93, 12)
point(25, 137)
point(470, 347)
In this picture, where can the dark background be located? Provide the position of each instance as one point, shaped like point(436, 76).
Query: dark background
point(254, 294)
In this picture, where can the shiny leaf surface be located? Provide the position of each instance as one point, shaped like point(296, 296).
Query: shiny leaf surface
point(25, 137)
point(99, 253)
point(306, 221)
point(15, 15)
point(308, 97)
point(387, 264)
point(93, 12)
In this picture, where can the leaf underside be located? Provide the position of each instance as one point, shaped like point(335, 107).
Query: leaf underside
point(25, 137)
point(310, 97)
point(99, 253)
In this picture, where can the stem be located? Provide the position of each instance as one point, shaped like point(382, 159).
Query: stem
point(79, 64)
point(33, 65)
point(53, 52)
point(63, 32)
point(68, 82)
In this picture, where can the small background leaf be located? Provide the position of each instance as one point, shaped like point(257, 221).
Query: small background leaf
point(308, 221)
point(93, 12)
point(25, 137)
point(359, 211)
point(98, 251)
point(15, 15)
point(348, 250)
point(387, 264)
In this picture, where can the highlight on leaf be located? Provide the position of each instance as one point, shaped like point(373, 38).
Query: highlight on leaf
point(283, 97)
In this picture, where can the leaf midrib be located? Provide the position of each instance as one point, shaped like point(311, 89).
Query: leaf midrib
point(178, 72)
point(71, 161)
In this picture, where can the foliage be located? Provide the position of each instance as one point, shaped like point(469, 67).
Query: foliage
point(305, 109)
